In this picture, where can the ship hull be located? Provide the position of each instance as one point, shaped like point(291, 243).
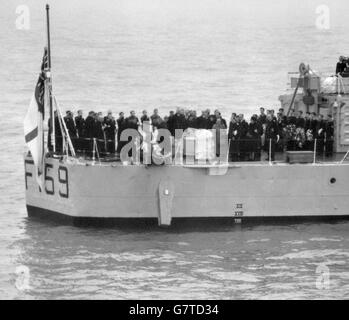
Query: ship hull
point(167, 195)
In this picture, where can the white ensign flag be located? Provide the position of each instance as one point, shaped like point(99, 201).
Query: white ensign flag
point(33, 123)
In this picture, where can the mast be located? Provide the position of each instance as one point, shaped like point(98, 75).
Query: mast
point(48, 36)
point(53, 138)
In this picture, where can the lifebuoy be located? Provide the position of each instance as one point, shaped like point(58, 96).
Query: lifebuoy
point(303, 70)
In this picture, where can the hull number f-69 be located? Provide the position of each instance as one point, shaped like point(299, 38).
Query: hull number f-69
point(63, 179)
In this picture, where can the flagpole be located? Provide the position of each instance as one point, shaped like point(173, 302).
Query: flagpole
point(48, 36)
point(53, 138)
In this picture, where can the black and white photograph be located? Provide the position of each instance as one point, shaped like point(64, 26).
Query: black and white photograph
point(174, 150)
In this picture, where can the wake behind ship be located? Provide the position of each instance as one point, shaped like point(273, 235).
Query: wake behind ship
point(163, 177)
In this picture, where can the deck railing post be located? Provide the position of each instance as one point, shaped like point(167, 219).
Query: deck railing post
point(315, 147)
point(94, 150)
point(97, 151)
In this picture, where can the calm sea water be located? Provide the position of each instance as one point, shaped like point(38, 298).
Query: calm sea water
point(122, 55)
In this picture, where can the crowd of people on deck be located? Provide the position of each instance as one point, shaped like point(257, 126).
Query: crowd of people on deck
point(271, 133)
point(265, 131)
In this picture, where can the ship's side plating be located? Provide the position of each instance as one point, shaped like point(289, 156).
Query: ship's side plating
point(83, 190)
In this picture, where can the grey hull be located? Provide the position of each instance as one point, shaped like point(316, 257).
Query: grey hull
point(165, 194)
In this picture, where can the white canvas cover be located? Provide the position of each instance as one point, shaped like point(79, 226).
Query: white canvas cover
point(333, 84)
point(329, 85)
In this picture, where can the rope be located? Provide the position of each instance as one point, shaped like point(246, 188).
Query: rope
point(345, 156)
point(65, 127)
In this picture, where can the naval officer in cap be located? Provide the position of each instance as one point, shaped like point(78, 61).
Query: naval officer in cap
point(272, 137)
point(110, 130)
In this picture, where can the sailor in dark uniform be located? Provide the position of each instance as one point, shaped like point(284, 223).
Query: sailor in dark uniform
point(192, 120)
point(262, 119)
point(58, 134)
point(131, 122)
point(89, 124)
point(314, 124)
point(144, 117)
point(300, 122)
point(89, 127)
point(80, 123)
point(155, 118)
point(202, 121)
point(110, 130)
point(212, 118)
point(70, 124)
point(80, 127)
point(162, 125)
point(292, 119)
point(272, 136)
point(121, 122)
point(218, 114)
point(307, 121)
point(232, 137)
point(98, 134)
point(282, 113)
point(321, 129)
point(329, 135)
point(179, 120)
point(282, 123)
point(170, 123)
point(341, 66)
point(254, 134)
point(272, 112)
point(242, 130)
